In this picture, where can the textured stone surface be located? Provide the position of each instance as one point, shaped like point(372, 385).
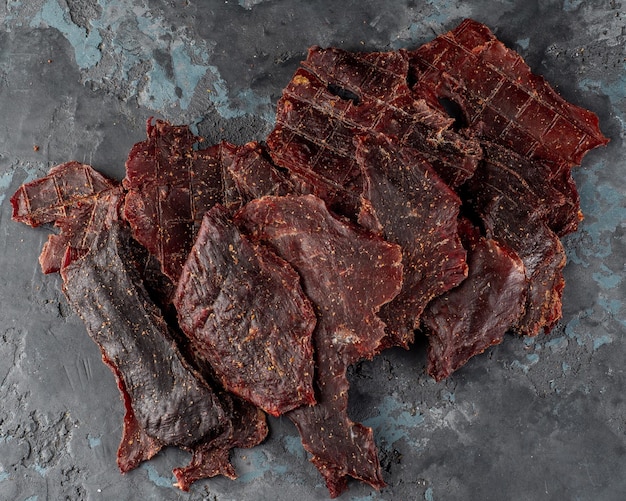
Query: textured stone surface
point(540, 418)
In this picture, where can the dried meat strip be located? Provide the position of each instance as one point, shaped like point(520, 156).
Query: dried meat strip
point(475, 315)
point(244, 311)
point(415, 209)
point(167, 401)
point(171, 184)
point(504, 102)
point(348, 274)
point(255, 175)
point(512, 214)
point(337, 95)
point(73, 197)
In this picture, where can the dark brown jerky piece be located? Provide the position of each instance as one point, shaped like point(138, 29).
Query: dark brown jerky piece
point(512, 214)
point(170, 403)
point(348, 274)
point(468, 319)
point(76, 199)
point(415, 209)
point(244, 311)
point(503, 101)
point(341, 94)
point(255, 175)
point(170, 186)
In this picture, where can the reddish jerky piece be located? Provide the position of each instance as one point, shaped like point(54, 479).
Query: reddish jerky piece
point(338, 95)
point(468, 319)
point(76, 199)
point(503, 101)
point(170, 186)
point(513, 215)
point(415, 209)
point(167, 402)
point(348, 274)
point(243, 309)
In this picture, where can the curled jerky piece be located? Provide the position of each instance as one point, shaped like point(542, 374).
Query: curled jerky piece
point(243, 309)
point(503, 101)
point(76, 199)
point(468, 319)
point(348, 274)
point(171, 184)
point(415, 209)
point(167, 401)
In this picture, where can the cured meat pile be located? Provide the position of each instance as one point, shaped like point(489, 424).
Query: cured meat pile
point(402, 192)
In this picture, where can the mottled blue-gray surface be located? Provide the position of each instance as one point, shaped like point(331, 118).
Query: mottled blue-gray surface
point(531, 419)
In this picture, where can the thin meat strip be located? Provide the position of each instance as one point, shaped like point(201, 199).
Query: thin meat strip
point(73, 197)
point(167, 402)
point(244, 311)
point(406, 200)
point(171, 184)
point(348, 274)
point(468, 319)
point(504, 102)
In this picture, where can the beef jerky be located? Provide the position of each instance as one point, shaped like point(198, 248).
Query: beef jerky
point(337, 95)
point(468, 319)
point(244, 311)
point(503, 101)
point(171, 184)
point(348, 274)
point(512, 214)
point(415, 209)
point(255, 175)
point(73, 197)
point(167, 402)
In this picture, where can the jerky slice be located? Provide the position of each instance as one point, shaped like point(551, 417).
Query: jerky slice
point(76, 199)
point(170, 186)
point(317, 123)
point(468, 319)
point(415, 209)
point(348, 274)
point(504, 102)
point(513, 215)
point(167, 402)
point(244, 310)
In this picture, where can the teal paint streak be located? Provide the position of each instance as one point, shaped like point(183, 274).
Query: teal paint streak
point(394, 421)
point(4, 476)
point(94, 441)
point(428, 495)
point(157, 479)
point(86, 45)
point(260, 464)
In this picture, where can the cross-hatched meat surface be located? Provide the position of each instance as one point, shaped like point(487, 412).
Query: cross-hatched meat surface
point(171, 184)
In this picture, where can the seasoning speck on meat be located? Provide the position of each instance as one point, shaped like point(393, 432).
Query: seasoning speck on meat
point(244, 311)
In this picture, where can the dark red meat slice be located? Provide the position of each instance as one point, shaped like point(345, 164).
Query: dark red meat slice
point(243, 309)
point(76, 199)
point(338, 95)
point(504, 102)
point(348, 274)
point(167, 401)
point(513, 215)
point(468, 319)
point(255, 175)
point(415, 209)
point(171, 184)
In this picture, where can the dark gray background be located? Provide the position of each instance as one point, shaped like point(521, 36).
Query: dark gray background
point(531, 419)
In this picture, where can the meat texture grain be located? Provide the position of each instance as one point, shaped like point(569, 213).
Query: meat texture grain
point(167, 401)
point(245, 313)
point(171, 184)
point(348, 274)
